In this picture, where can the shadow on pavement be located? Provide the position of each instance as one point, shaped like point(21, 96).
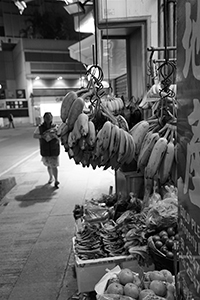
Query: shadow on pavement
point(39, 194)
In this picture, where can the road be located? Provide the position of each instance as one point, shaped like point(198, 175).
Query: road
point(16, 146)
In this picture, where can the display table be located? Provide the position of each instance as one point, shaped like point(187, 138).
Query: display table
point(89, 272)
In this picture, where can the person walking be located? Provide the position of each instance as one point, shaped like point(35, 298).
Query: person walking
point(49, 146)
point(11, 121)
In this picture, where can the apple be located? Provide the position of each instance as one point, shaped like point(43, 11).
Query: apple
point(168, 275)
point(115, 288)
point(158, 287)
point(145, 293)
point(125, 276)
point(131, 290)
point(157, 275)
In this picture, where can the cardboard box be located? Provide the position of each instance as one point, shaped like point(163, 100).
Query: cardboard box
point(89, 272)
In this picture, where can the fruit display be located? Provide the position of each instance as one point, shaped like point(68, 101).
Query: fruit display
point(152, 285)
point(98, 139)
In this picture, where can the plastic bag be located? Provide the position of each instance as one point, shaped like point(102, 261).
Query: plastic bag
point(162, 214)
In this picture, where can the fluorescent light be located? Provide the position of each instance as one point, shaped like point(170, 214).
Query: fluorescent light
point(21, 5)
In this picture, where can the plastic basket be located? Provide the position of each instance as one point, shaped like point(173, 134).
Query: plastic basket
point(160, 260)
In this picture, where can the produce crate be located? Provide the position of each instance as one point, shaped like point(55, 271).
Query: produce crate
point(89, 272)
point(127, 182)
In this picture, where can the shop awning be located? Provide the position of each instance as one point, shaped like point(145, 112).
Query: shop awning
point(83, 50)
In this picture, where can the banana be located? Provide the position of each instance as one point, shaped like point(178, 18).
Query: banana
point(114, 163)
point(70, 140)
point(82, 124)
point(174, 175)
point(82, 143)
point(66, 104)
point(64, 141)
point(146, 149)
point(122, 145)
point(166, 164)
point(85, 160)
point(115, 140)
point(75, 133)
point(106, 135)
point(124, 152)
point(91, 136)
point(117, 106)
point(132, 149)
point(122, 122)
point(121, 103)
point(78, 157)
point(98, 144)
point(62, 129)
point(110, 106)
point(155, 158)
point(138, 133)
point(104, 158)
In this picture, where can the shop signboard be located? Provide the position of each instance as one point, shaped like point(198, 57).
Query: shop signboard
point(188, 138)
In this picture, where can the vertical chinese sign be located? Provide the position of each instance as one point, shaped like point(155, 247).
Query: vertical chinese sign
point(188, 145)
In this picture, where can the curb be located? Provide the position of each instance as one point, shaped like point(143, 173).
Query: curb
point(6, 185)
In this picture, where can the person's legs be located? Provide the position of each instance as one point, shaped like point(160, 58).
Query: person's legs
point(13, 124)
point(55, 174)
point(50, 171)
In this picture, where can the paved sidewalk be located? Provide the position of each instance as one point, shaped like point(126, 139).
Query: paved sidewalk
point(37, 226)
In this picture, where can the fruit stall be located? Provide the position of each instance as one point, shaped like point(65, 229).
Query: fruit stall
point(135, 231)
point(127, 243)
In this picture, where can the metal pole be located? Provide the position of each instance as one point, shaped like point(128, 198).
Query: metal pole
point(95, 32)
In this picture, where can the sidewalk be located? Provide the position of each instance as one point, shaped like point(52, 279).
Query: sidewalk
point(37, 226)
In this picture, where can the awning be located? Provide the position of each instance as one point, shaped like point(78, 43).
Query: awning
point(83, 50)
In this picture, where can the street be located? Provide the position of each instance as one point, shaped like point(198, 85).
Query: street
point(16, 145)
point(36, 220)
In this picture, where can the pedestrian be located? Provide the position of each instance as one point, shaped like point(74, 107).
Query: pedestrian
point(49, 146)
point(11, 121)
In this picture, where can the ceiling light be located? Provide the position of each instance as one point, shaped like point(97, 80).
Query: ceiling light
point(37, 77)
point(21, 5)
point(59, 78)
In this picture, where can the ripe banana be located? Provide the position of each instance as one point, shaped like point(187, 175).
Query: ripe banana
point(82, 143)
point(91, 136)
point(64, 141)
point(70, 140)
point(138, 133)
point(82, 124)
point(98, 144)
point(78, 157)
point(106, 135)
point(146, 149)
point(122, 122)
point(166, 164)
point(75, 133)
point(155, 158)
point(66, 104)
point(114, 140)
point(62, 129)
point(125, 149)
point(104, 158)
point(132, 149)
